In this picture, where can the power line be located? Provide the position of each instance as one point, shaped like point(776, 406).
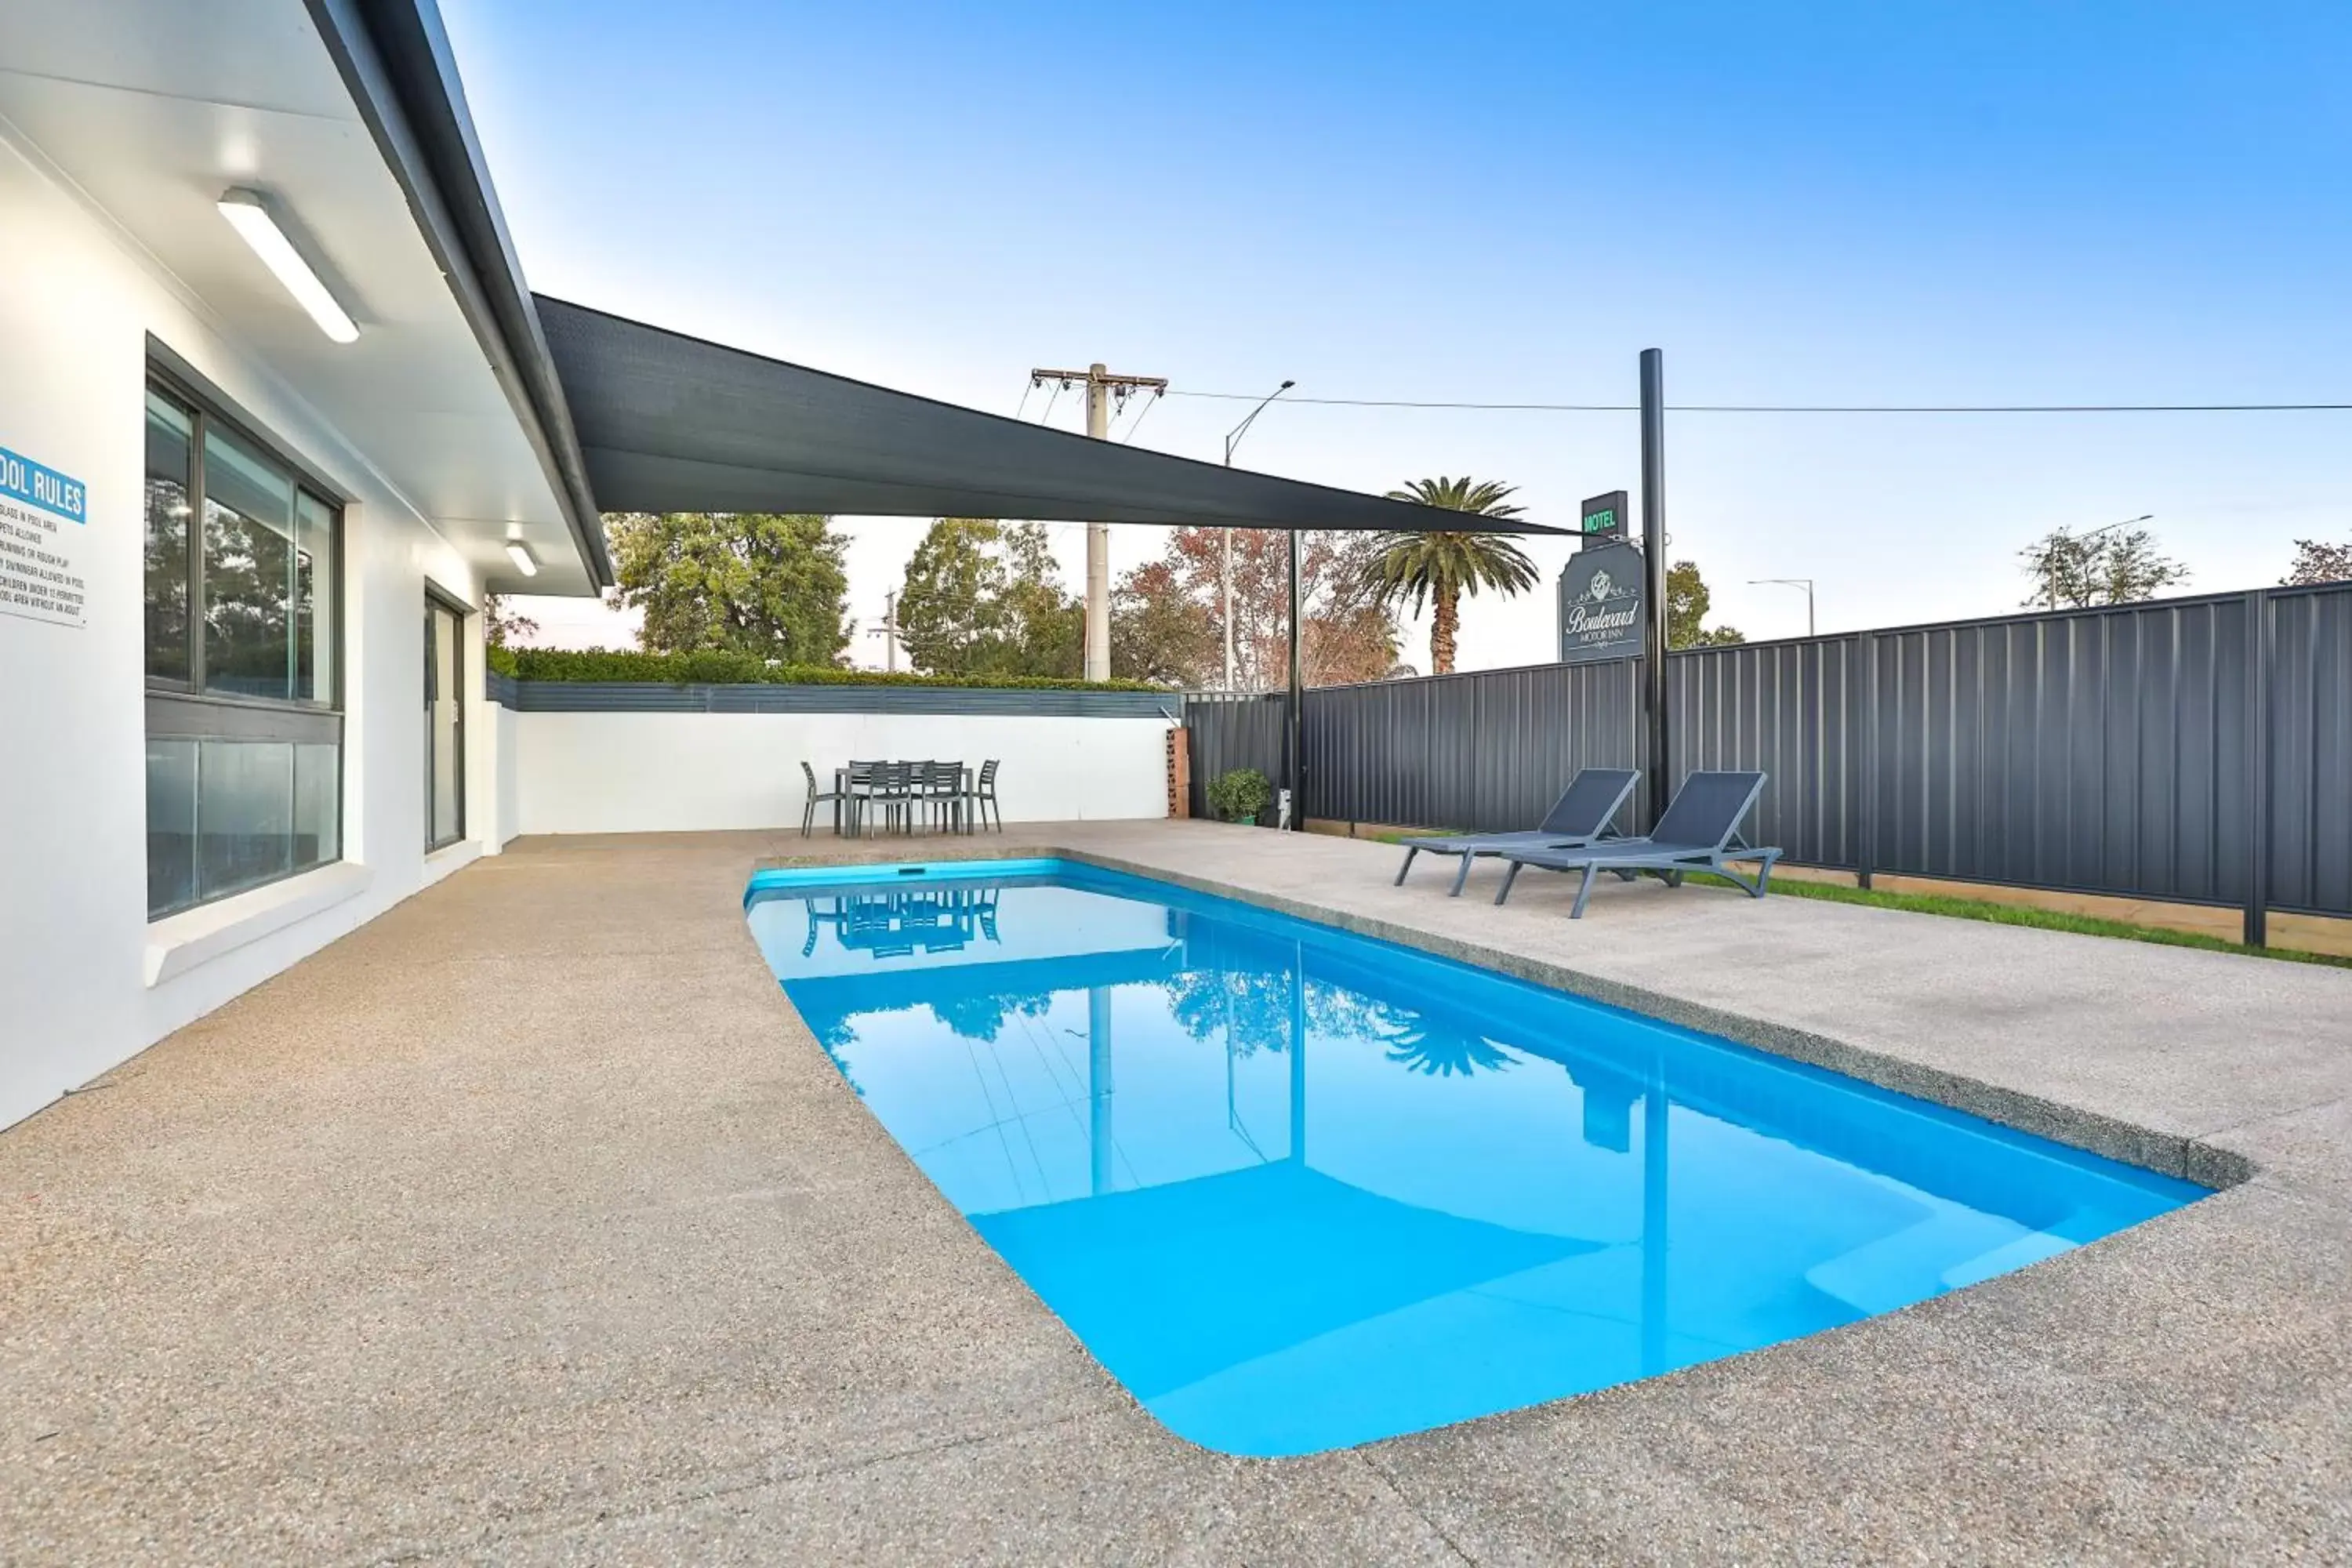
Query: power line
point(1802, 408)
point(1137, 422)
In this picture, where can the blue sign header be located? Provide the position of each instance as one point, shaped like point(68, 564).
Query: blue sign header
point(21, 478)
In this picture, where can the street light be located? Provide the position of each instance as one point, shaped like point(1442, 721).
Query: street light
point(1804, 583)
point(1233, 439)
point(2087, 538)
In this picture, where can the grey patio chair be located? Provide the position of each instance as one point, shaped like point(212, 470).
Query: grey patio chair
point(982, 795)
point(817, 798)
point(1699, 832)
point(940, 786)
point(894, 791)
point(1581, 815)
point(857, 791)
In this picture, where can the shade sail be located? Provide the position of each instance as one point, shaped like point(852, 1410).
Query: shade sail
point(670, 423)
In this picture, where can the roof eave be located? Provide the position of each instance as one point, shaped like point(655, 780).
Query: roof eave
point(396, 62)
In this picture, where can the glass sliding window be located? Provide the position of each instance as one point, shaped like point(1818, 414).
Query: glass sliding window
point(314, 599)
point(445, 726)
point(170, 825)
point(170, 482)
point(248, 570)
point(244, 741)
point(244, 814)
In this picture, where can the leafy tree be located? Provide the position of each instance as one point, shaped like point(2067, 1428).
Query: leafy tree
point(769, 584)
point(1687, 601)
point(1349, 633)
point(502, 625)
point(1158, 633)
point(1439, 568)
point(982, 598)
point(2105, 567)
point(1045, 628)
point(2318, 563)
point(950, 605)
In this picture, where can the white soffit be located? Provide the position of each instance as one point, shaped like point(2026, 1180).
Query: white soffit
point(154, 108)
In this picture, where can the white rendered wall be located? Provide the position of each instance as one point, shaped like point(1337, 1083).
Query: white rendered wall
point(75, 307)
point(667, 772)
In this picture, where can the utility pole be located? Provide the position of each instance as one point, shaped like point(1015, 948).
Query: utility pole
point(1101, 388)
point(888, 631)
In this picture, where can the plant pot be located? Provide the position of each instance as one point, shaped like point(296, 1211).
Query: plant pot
point(1248, 821)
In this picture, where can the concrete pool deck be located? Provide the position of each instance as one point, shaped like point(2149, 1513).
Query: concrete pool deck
point(527, 1223)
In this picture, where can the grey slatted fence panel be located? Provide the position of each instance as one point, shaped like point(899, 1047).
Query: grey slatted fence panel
point(1791, 710)
point(2103, 751)
point(2311, 751)
point(1230, 732)
point(2100, 752)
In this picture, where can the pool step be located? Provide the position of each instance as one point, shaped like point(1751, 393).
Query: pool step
point(1953, 1247)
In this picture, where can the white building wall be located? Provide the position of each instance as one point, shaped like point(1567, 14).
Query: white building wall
point(77, 953)
point(663, 773)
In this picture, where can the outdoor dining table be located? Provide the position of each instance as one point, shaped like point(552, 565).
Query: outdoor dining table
point(842, 788)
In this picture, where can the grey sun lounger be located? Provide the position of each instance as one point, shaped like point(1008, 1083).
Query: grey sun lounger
point(1699, 832)
point(1581, 815)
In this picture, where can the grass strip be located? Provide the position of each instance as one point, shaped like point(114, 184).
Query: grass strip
point(1958, 909)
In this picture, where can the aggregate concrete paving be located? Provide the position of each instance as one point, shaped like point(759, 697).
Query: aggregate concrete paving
point(527, 1223)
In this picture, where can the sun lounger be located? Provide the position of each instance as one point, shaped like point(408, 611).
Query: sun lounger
point(1699, 832)
point(1581, 815)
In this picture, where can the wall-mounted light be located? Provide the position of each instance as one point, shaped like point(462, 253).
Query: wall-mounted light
point(248, 213)
point(524, 560)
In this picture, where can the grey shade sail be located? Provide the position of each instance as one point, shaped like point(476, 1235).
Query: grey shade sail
point(670, 423)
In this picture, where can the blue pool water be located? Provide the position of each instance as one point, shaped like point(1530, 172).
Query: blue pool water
point(1297, 1189)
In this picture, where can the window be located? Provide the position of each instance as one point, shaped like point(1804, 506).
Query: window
point(445, 724)
point(243, 738)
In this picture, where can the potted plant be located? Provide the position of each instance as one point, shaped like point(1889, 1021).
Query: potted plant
point(1239, 794)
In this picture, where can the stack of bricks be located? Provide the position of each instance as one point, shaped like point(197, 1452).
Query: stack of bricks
point(1180, 774)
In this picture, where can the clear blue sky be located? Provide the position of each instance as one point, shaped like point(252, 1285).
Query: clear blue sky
point(1842, 202)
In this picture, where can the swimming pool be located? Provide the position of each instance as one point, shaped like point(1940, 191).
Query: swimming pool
point(1298, 1189)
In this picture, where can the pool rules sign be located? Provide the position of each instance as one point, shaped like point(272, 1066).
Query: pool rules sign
point(44, 524)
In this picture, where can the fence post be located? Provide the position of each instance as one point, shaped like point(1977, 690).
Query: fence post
point(1866, 771)
point(2258, 765)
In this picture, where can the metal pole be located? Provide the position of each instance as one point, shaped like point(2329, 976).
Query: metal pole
point(1804, 583)
point(1097, 538)
point(1294, 761)
point(1229, 599)
point(1654, 570)
point(1233, 438)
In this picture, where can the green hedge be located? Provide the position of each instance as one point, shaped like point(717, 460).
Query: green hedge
point(739, 668)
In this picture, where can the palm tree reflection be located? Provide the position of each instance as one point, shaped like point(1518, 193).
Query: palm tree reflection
point(1427, 1046)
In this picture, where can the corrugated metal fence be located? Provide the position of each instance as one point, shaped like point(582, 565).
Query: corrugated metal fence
point(2191, 750)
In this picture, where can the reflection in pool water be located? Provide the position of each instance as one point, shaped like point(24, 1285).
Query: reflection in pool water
point(1298, 1189)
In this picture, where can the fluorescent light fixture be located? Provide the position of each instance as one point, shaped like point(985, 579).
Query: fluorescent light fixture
point(248, 213)
point(525, 561)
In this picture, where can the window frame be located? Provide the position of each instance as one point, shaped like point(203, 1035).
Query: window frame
point(437, 597)
point(206, 405)
point(185, 709)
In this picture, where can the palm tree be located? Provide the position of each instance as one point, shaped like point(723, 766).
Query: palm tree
point(1440, 567)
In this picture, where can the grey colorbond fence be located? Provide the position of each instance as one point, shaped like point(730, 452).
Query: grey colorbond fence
point(2196, 751)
